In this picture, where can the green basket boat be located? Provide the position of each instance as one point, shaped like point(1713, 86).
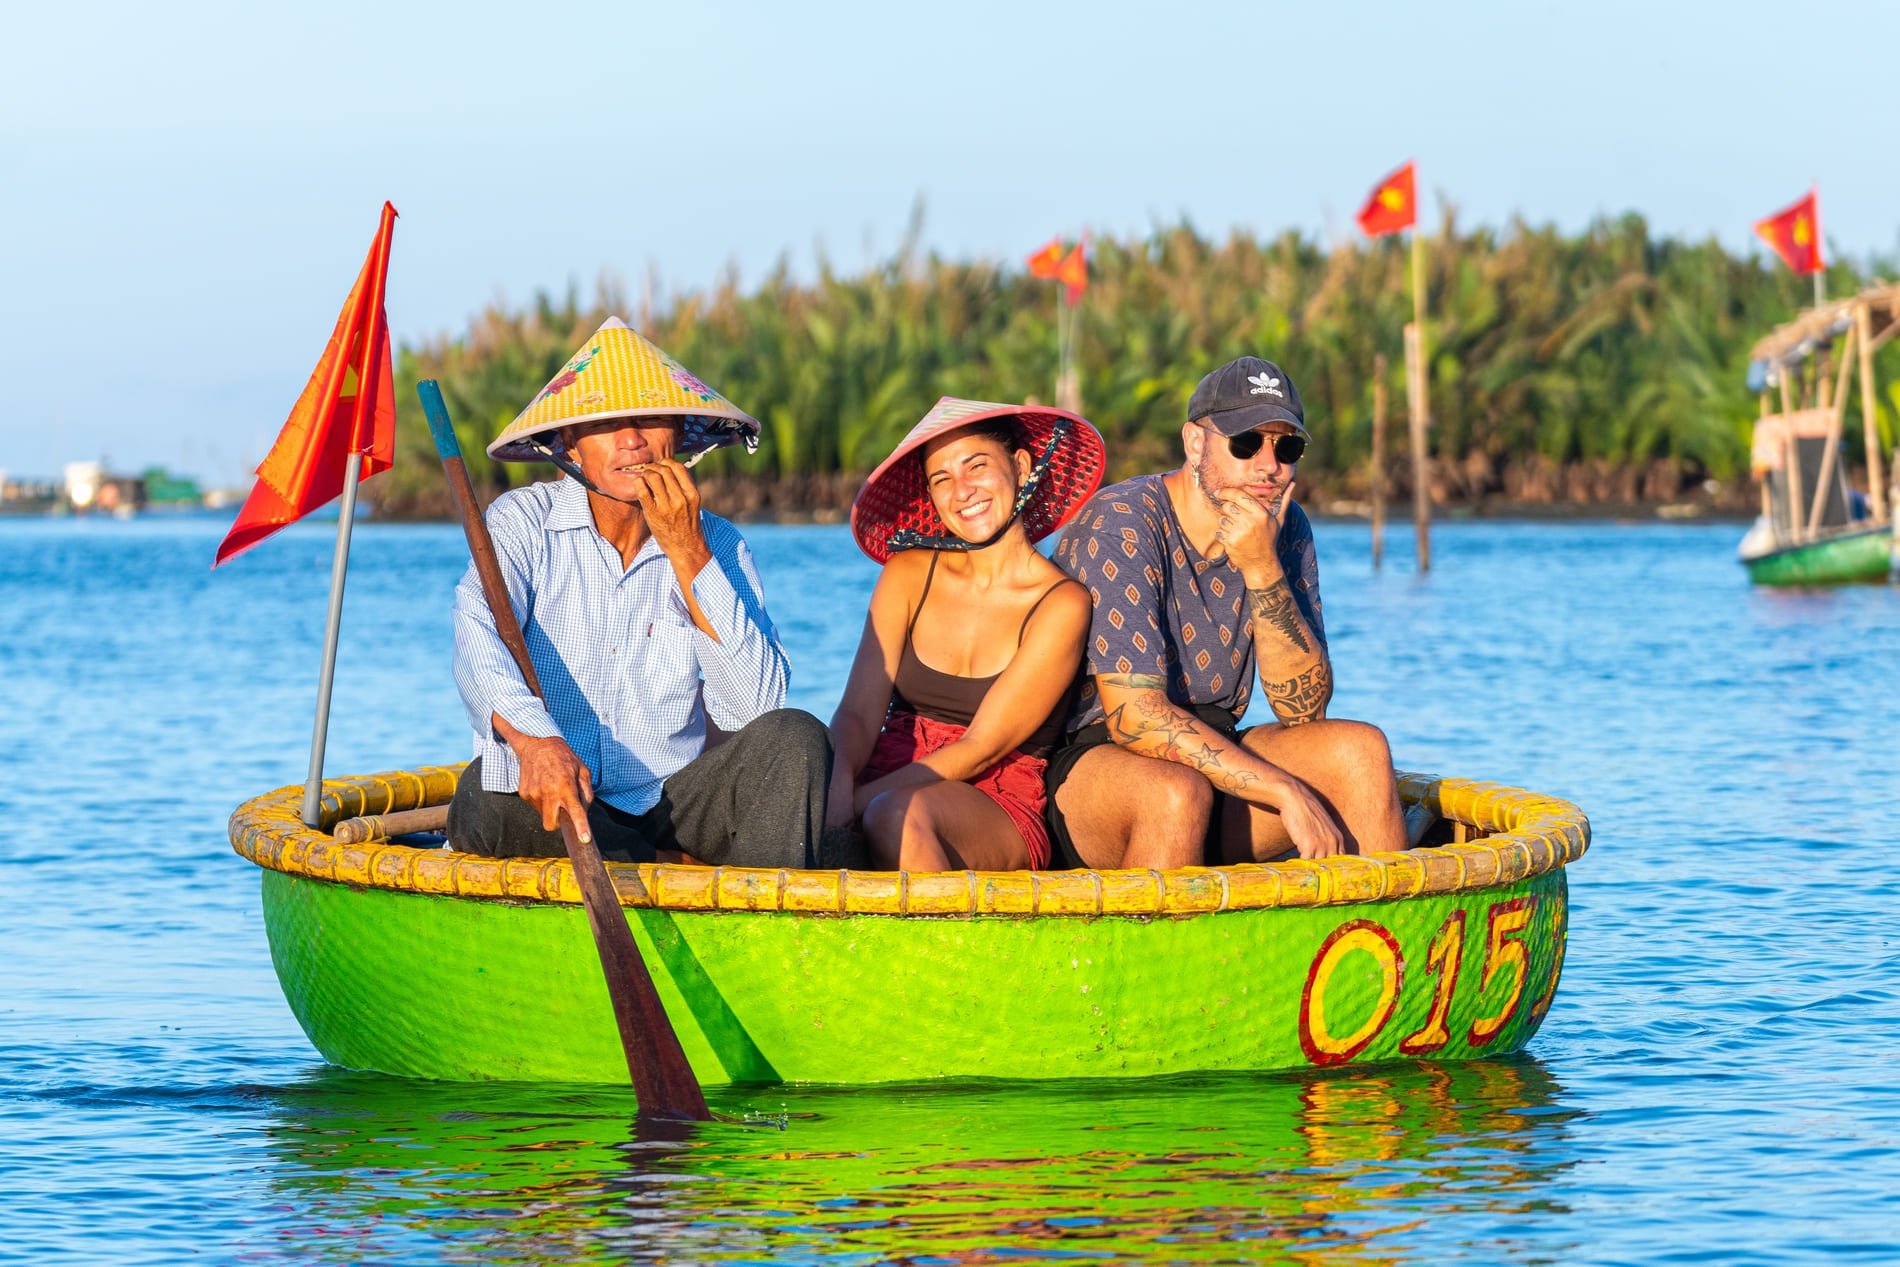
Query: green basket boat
point(434, 964)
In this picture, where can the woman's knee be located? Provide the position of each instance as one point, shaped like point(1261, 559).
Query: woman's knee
point(885, 820)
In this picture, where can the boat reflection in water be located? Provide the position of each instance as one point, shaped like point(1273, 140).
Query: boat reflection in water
point(1356, 1165)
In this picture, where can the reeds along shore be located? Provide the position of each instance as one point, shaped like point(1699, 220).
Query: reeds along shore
point(1596, 370)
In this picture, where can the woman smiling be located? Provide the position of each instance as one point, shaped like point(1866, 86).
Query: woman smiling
point(973, 643)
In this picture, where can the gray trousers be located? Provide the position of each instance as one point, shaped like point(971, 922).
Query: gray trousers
point(757, 800)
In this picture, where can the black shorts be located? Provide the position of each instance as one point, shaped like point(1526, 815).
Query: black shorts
point(1062, 854)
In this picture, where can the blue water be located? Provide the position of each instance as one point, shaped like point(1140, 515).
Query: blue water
point(1718, 1078)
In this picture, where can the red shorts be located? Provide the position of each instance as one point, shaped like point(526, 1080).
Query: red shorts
point(1014, 783)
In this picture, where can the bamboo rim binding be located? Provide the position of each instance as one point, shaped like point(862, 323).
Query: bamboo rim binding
point(1532, 835)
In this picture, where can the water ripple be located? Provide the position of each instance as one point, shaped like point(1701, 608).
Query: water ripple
point(1717, 1079)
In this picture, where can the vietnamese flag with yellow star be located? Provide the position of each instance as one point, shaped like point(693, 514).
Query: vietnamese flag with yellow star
point(1048, 260)
point(1795, 234)
point(1393, 205)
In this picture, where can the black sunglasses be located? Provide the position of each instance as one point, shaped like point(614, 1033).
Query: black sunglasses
point(1286, 448)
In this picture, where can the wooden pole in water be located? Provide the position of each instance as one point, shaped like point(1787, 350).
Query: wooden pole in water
point(662, 1079)
point(1870, 427)
point(1767, 495)
point(1378, 460)
point(1419, 404)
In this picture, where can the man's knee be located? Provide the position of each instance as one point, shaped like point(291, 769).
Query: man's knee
point(1349, 747)
point(1173, 794)
point(1360, 747)
point(790, 732)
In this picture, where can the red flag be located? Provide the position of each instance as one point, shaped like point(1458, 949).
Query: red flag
point(1045, 262)
point(1393, 205)
point(348, 406)
point(1795, 234)
point(1073, 273)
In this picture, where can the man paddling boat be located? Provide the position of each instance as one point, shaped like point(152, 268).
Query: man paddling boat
point(645, 621)
point(1202, 578)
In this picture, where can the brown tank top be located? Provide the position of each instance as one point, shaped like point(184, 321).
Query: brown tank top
point(946, 697)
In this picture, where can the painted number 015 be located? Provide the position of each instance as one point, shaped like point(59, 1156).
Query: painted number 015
point(1506, 957)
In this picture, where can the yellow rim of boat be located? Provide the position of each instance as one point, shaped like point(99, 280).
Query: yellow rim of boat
point(1531, 834)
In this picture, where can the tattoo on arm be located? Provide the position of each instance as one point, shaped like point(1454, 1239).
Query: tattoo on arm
point(1303, 697)
point(1148, 723)
point(1276, 608)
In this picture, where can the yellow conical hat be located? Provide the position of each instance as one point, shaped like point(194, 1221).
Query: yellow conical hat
point(618, 374)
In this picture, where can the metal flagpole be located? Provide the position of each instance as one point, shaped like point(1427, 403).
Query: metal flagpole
point(372, 351)
point(346, 514)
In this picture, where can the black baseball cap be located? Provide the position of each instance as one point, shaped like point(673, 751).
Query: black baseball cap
point(1245, 393)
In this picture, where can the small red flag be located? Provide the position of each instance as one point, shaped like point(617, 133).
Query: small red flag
point(1393, 205)
point(1073, 273)
point(1045, 262)
point(348, 406)
point(1795, 234)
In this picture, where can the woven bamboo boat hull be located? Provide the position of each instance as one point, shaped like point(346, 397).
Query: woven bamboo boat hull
point(433, 964)
point(1851, 557)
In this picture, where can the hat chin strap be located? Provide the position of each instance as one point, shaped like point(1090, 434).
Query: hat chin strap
point(572, 469)
point(911, 539)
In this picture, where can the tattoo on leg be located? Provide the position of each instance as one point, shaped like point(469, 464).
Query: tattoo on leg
point(1301, 698)
point(1276, 607)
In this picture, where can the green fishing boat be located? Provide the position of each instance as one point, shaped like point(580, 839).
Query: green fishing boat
point(423, 962)
point(1845, 557)
point(1814, 529)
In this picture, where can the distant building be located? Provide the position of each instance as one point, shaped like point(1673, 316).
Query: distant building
point(27, 497)
point(88, 487)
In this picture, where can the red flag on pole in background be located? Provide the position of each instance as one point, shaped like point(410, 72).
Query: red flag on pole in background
point(1795, 234)
point(1393, 205)
point(349, 405)
point(1073, 273)
point(1045, 262)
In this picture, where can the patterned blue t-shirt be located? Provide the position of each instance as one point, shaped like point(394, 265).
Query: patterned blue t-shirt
point(1161, 609)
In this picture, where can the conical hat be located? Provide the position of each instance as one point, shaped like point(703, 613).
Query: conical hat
point(618, 374)
point(896, 496)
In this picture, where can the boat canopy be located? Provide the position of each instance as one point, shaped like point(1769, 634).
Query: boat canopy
point(1793, 342)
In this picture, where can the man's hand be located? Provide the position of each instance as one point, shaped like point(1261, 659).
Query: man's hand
point(1311, 826)
point(670, 501)
point(1249, 534)
point(554, 779)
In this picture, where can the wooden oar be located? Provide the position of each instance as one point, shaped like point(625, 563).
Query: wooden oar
point(661, 1077)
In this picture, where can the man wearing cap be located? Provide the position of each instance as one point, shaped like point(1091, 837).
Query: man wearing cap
point(646, 624)
point(1203, 578)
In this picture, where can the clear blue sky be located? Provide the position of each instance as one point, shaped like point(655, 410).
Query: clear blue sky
point(191, 187)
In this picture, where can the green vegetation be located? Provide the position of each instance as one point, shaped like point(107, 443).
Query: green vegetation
point(1563, 367)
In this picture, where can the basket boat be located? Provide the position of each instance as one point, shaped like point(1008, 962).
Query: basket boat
point(428, 963)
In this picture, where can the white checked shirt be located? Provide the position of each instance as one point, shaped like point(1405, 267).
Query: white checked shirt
point(629, 679)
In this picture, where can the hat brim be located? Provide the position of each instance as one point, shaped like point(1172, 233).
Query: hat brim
point(711, 432)
point(1233, 422)
point(896, 496)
